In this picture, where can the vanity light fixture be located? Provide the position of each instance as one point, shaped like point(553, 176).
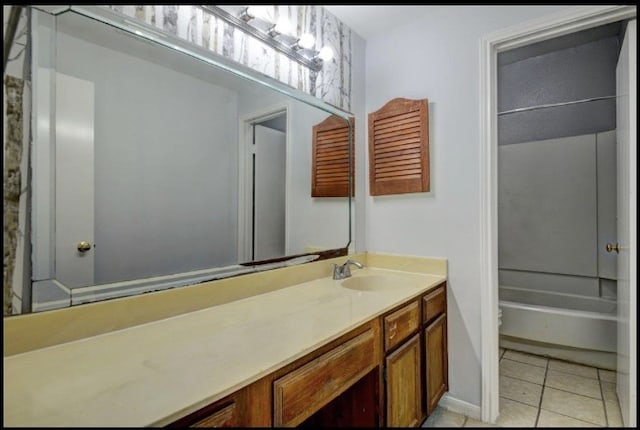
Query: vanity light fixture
point(279, 35)
point(281, 28)
point(325, 54)
point(253, 12)
point(306, 41)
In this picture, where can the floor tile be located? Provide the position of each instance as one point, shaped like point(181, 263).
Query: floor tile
point(522, 357)
point(573, 383)
point(607, 375)
point(441, 417)
point(575, 369)
point(471, 422)
point(521, 391)
point(572, 395)
point(614, 416)
point(551, 419)
point(522, 371)
point(516, 414)
point(574, 406)
point(609, 392)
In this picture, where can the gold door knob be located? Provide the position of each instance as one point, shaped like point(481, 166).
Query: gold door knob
point(84, 246)
point(615, 248)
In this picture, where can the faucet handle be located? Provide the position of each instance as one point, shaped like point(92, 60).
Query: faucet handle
point(337, 271)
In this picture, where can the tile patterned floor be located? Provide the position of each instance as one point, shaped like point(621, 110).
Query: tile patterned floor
point(538, 391)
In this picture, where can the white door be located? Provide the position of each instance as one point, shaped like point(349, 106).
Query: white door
point(626, 224)
point(269, 193)
point(74, 180)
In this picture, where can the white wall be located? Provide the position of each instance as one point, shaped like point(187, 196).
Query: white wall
point(359, 109)
point(323, 221)
point(165, 165)
point(315, 222)
point(438, 57)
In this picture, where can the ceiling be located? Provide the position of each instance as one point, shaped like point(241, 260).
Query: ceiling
point(370, 21)
point(373, 20)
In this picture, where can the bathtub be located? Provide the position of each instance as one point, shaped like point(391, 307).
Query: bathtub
point(565, 326)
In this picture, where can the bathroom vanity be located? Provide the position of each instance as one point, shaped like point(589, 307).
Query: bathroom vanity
point(368, 350)
point(372, 376)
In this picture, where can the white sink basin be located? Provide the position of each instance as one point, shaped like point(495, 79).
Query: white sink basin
point(374, 283)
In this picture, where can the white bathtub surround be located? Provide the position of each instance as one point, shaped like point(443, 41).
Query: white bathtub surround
point(567, 326)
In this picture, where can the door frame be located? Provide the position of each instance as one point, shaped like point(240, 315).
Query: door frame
point(245, 141)
point(565, 22)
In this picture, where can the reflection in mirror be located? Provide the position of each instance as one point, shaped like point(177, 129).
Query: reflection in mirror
point(161, 170)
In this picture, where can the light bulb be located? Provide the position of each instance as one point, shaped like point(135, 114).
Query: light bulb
point(259, 12)
point(326, 53)
point(283, 26)
point(306, 41)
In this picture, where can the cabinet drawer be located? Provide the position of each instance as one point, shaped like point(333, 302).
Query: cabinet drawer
point(225, 417)
point(303, 391)
point(434, 304)
point(400, 324)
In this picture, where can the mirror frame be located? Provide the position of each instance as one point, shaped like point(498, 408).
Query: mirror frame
point(43, 279)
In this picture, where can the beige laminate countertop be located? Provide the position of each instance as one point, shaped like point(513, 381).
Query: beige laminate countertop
point(153, 374)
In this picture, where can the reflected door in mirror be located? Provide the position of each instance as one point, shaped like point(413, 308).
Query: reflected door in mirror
point(269, 156)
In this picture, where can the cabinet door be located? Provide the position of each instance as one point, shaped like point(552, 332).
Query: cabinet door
point(403, 385)
point(437, 383)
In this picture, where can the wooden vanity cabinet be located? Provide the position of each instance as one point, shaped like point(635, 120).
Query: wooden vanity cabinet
point(403, 368)
point(390, 371)
point(308, 391)
point(223, 413)
point(434, 306)
point(301, 392)
point(416, 357)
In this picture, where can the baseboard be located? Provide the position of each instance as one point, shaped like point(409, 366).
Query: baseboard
point(460, 406)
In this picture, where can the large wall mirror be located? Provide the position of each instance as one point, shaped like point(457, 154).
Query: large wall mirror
point(157, 164)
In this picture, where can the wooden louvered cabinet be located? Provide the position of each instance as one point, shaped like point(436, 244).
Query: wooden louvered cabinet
point(331, 165)
point(399, 147)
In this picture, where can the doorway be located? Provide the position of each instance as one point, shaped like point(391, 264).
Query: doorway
point(562, 24)
point(263, 180)
point(556, 214)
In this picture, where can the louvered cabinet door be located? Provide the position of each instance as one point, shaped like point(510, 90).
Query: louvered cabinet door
point(399, 147)
point(330, 164)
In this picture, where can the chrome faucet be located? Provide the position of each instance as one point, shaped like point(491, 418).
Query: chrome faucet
point(344, 271)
